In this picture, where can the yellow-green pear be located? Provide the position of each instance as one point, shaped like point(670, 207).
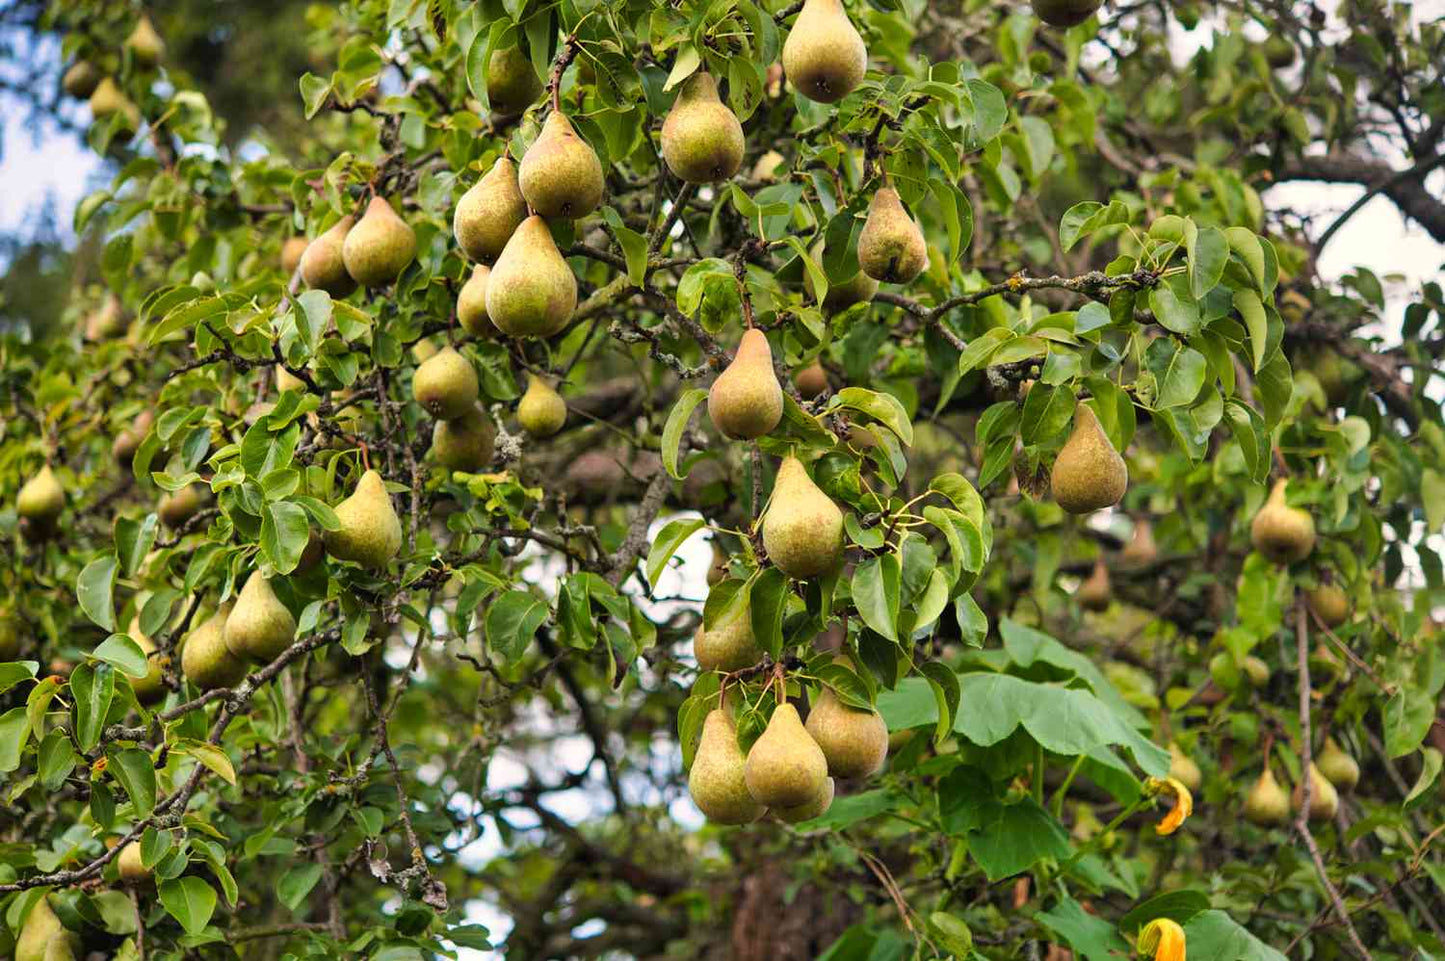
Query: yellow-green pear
point(260, 627)
point(811, 380)
point(322, 265)
point(716, 781)
point(766, 169)
point(446, 384)
point(292, 250)
point(854, 741)
point(1338, 767)
point(1088, 473)
point(180, 506)
point(541, 411)
point(512, 82)
point(472, 304)
point(206, 661)
point(43, 937)
point(812, 809)
point(1256, 671)
point(370, 532)
point(132, 869)
point(891, 247)
point(80, 79)
point(1267, 803)
point(1324, 799)
point(560, 174)
point(1095, 593)
point(746, 400)
point(145, 44)
point(1141, 550)
point(108, 99)
point(729, 645)
point(803, 528)
point(285, 380)
point(379, 247)
point(465, 443)
point(490, 212)
point(1282, 533)
point(1065, 13)
point(1331, 603)
point(702, 140)
point(824, 55)
point(152, 687)
point(1183, 769)
point(857, 289)
point(41, 499)
point(531, 292)
point(785, 767)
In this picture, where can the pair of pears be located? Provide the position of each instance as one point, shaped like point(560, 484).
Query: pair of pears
point(445, 384)
point(372, 251)
point(256, 627)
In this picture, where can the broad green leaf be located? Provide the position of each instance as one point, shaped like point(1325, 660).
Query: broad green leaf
point(124, 654)
point(1178, 372)
point(133, 769)
point(1248, 304)
point(1091, 937)
point(295, 884)
point(93, 589)
point(676, 425)
point(667, 541)
point(512, 621)
point(882, 407)
point(190, 900)
point(875, 592)
point(92, 687)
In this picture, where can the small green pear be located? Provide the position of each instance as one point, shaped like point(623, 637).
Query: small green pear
point(41, 499)
point(891, 247)
point(812, 809)
point(178, 507)
point(1338, 767)
point(370, 532)
point(785, 767)
point(728, 646)
point(379, 247)
point(152, 687)
point(560, 174)
point(1088, 473)
point(206, 661)
point(132, 869)
point(285, 380)
point(746, 400)
point(465, 443)
point(107, 99)
point(1266, 804)
point(716, 781)
point(854, 741)
point(292, 250)
point(1331, 603)
point(446, 384)
point(43, 937)
point(824, 55)
point(490, 212)
point(1282, 533)
point(512, 82)
point(803, 528)
point(531, 291)
point(81, 79)
point(260, 627)
point(541, 411)
point(812, 380)
point(472, 304)
point(702, 140)
point(323, 266)
point(145, 44)
point(1324, 799)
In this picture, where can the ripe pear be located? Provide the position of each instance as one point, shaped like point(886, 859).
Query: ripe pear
point(718, 570)
point(560, 174)
point(465, 443)
point(322, 266)
point(260, 627)
point(1183, 769)
point(489, 213)
point(152, 687)
point(108, 99)
point(803, 528)
point(178, 507)
point(1324, 799)
point(43, 937)
point(746, 400)
point(766, 169)
point(812, 809)
point(857, 289)
point(285, 380)
point(854, 742)
point(716, 781)
point(145, 44)
point(1088, 473)
point(42, 499)
point(702, 140)
point(1266, 804)
point(1342, 770)
point(811, 380)
point(446, 384)
point(1141, 551)
point(1331, 603)
point(1065, 13)
point(542, 411)
point(729, 646)
point(370, 532)
point(1255, 670)
point(292, 249)
point(81, 79)
point(1095, 593)
point(512, 82)
point(824, 55)
point(1282, 533)
point(379, 247)
point(531, 291)
point(206, 661)
point(130, 866)
point(472, 303)
point(785, 767)
point(891, 247)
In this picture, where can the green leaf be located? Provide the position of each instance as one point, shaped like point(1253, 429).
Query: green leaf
point(1250, 307)
point(972, 621)
point(666, 543)
point(14, 734)
point(846, 811)
point(512, 621)
point(882, 407)
point(1208, 254)
point(1180, 906)
point(1174, 312)
point(314, 92)
point(1082, 219)
point(211, 756)
point(676, 425)
point(1215, 936)
point(1246, 246)
point(767, 601)
point(946, 692)
point(634, 246)
point(875, 592)
point(951, 933)
point(1429, 770)
point(121, 652)
point(1011, 838)
point(296, 883)
point(313, 317)
point(133, 769)
point(190, 900)
point(284, 534)
point(92, 688)
point(13, 672)
point(93, 589)
point(133, 540)
point(1178, 372)
point(1091, 937)
point(686, 64)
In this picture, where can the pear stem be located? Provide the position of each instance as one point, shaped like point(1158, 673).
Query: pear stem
point(559, 67)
